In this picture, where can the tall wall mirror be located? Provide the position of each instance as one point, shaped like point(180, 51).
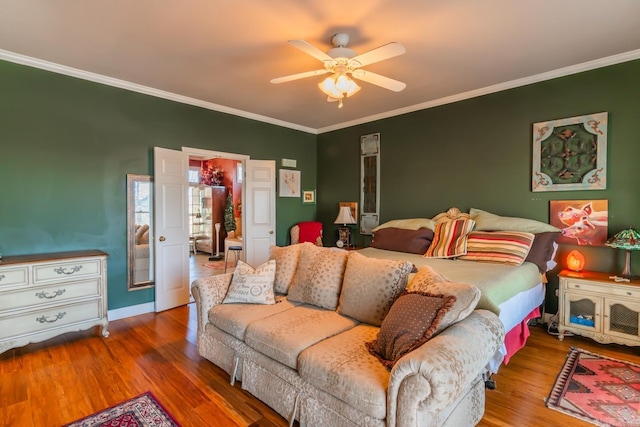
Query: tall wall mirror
point(140, 231)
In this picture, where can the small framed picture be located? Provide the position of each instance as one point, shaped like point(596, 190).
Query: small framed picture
point(308, 197)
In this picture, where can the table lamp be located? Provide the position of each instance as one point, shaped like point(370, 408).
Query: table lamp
point(344, 217)
point(629, 240)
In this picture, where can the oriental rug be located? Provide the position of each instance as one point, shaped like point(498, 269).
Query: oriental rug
point(141, 411)
point(597, 389)
point(218, 266)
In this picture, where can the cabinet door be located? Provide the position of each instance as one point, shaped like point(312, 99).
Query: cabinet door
point(583, 311)
point(622, 318)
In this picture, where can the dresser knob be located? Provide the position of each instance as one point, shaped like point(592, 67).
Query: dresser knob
point(57, 317)
point(43, 294)
point(629, 293)
point(63, 270)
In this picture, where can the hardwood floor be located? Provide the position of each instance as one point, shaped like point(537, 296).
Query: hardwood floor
point(74, 375)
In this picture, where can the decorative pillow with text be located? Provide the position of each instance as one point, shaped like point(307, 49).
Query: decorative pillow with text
point(249, 285)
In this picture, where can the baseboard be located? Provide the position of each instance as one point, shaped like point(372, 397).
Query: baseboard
point(130, 311)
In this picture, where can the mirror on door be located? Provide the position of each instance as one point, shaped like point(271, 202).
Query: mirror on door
point(139, 231)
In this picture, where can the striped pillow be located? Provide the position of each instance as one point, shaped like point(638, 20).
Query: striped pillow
point(450, 239)
point(506, 247)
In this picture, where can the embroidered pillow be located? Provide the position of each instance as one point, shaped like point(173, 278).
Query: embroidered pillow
point(450, 239)
point(370, 286)
point(250, 285)
point(318, 278)
point(287, 258)
point(403, 240)
point(505, 247)
point(412, 321)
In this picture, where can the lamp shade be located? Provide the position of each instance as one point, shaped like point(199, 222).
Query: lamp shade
point(344, 216)
point(628, 239)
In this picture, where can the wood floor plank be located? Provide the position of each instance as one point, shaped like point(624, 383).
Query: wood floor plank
point(156, 352)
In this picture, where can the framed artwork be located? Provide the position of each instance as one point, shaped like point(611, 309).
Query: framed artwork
point(583, 222)
point(309, 197)
point(289, 183)
point(369, 183)
point(570, 154)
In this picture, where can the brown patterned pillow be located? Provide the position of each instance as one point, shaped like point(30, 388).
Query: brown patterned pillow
point(252, 286)
point(318, 278)
point(413, 319)
point(287, 258)
point(402, 240)
point(370, 286)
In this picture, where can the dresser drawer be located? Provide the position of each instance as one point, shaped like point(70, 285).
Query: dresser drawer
point(14, 276)
point(625, 291)
point(54, 317)
point(49, 294)
point(570, 284)
point(62, 271)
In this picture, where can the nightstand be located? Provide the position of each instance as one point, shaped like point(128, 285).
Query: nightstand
point(593, 305)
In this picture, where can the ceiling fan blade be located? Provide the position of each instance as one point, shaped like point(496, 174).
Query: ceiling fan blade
point(378, 54)
point(298, 76)
point(310, 49)
point(379, 80)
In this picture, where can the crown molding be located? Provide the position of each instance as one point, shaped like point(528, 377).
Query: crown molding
point(561, 72)
point(122, 84)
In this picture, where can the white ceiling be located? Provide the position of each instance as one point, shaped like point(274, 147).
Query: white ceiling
point(221, 54)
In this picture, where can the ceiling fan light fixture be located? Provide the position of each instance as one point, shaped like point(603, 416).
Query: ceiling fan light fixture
point(338, 86)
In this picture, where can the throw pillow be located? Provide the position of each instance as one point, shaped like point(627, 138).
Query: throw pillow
point(370, 286)
point(140, 230)
point(408, 224)
point(450, 215)
point(250, 285)
point(412, 321)
point(486, 221)
point(403, 240)
point(467, 295)
point(287, 258)
point(450, 239)
point(505, 247)
point(318, 278)
point(542, 249)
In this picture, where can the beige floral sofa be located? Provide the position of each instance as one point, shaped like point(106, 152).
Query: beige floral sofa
point(317, 334)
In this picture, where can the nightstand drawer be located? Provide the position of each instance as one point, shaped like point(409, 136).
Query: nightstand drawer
point(63, 271)
point(625, 292)
point(49, 294)
point(51, 318)
point(14, 276)
point(584, 286)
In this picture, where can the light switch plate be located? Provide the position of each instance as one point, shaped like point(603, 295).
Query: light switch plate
point(289, 163)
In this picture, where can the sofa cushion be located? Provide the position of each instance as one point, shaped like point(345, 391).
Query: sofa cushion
point(342, 367)
point(284, 336)
point(318, 278)
point(412, 321)
point(467, 295)
point(505, 247)
point(252, 285)
point(235, 318)
point(450, 239)
point(370, 286)
point(401, 240)
point(287, 258)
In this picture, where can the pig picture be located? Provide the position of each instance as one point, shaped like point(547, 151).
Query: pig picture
point(582, 222)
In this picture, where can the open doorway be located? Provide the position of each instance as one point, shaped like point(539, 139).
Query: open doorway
point(215, 214)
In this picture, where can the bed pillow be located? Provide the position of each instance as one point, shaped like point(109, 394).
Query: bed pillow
point(286, 258)
point(467, 295)
point(408, 224)
point(542, 250)
point(318, 278)
point(412, 321)
point(504, 247)
point(403, 240)
point(370, 286)
point(253, 286)
point(450, 239)
point(486, 221)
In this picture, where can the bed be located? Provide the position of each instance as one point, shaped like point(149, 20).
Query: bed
point(512, 289)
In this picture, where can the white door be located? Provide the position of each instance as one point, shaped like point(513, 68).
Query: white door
point(259, 223)
point(171, 228)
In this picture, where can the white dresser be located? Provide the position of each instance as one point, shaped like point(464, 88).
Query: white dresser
point(45, 295)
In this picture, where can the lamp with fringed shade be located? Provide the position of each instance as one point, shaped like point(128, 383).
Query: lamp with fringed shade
point(629, 240)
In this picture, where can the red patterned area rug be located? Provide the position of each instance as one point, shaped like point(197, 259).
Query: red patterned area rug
point(141, 411)
point(597, 389)
point(218, 266)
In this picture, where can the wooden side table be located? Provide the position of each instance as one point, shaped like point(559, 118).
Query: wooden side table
point(594, 305)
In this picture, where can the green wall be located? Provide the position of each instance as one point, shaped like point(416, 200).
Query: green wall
point(66, 146)
point(478, 152)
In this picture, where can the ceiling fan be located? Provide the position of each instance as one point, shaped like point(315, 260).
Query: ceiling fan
point(341, 62)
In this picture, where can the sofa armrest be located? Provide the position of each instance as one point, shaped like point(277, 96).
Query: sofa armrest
point(432, 377)
point(209, 292)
